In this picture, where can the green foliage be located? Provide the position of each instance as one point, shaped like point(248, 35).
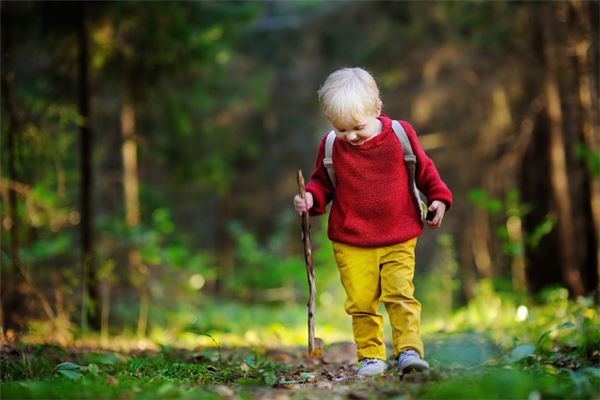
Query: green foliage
point(541, 230)
point(438, 291)
point(499, 383)
point(508, 214)
point(481, 199)
point(590, 157)
point(554, 354)
point(168, 374)
point(263, 267)
point(483, 24)
point(70, 370)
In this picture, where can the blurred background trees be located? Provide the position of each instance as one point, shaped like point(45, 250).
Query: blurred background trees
point(149, 150)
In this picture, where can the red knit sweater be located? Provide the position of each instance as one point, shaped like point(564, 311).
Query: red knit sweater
point(373, 205)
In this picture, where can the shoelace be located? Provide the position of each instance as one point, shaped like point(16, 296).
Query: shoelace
point(408, 353)
point(370, 361)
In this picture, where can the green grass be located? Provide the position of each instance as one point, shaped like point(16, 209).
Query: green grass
point(463, 366)
point(487, 350)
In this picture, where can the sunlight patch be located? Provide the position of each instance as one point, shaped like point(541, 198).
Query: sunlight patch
point(197, 281)
point(522, 313)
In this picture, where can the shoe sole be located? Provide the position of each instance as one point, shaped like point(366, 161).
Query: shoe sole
point(415, 367)
point(370, 374)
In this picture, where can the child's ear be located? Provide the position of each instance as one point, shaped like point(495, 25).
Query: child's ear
point(379, 107)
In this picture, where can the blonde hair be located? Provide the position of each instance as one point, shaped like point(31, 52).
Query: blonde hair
point(348, 94)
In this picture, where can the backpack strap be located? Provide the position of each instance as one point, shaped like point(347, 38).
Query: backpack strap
point(328, 159)
point(410, 160)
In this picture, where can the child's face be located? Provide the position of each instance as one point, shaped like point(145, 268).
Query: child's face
point(358, 132)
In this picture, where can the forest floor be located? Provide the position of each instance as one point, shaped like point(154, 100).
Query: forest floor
point(463, 365)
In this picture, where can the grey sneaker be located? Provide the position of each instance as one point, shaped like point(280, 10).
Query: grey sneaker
point(409, 360)
point(371, 366)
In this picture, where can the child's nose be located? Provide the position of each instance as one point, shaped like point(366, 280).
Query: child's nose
point(351, 136)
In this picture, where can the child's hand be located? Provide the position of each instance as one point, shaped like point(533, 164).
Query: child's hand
point(439, 208)
point(300, 205)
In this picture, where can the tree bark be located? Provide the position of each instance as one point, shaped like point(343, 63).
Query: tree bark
point(480, 243)
point(558, 162)
point(90, 311)
point(9, 299)
point(588, 98)
point(515, 235)
point(466, 263)
point(129, 152)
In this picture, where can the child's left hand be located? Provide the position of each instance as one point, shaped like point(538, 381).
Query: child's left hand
point(439, 208)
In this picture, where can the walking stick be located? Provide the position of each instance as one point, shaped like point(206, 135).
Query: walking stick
point(315, 345)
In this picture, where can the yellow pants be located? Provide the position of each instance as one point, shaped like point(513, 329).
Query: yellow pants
point(371, 275)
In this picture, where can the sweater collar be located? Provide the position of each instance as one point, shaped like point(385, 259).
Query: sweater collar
point(386, 128)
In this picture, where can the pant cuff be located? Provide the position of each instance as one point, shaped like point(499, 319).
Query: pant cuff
point(371, 352)
point(416, 345)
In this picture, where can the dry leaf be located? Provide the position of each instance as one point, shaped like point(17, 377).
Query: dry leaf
point(324, 385)
point(223, 390)
point(111, 380)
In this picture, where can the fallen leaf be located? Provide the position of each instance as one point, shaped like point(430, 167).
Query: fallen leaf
point(286, 385)
point(223, 390)
point(111, 380)
point(324, 385)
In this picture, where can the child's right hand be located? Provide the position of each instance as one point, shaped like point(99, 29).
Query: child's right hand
point(302, 206)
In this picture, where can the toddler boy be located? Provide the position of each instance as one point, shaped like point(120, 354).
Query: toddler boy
point(374, 220)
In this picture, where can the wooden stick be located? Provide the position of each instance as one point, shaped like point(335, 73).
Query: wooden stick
point(314, 347)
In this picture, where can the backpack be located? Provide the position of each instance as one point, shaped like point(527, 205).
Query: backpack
point(410, 160)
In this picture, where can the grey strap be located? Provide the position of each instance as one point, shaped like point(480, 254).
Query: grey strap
point(410, 160)
point(328, 159)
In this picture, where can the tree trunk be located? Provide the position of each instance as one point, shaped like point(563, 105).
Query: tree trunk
point(132, 207)
point(480, 240)
point(10, 304)
point(514, 227)
point(588, 98)
point(558, 162)
point(466, 263)
point(91, 310)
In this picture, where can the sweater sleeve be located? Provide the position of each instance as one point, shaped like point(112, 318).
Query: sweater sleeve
point(319, 184)
point(427, 177)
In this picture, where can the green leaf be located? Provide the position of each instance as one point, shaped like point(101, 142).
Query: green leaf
point(93, 369)
point(540, 231)
point(250, 360)
point(70, 370)
point(543, 336)
point(477, 196)
point(67, 366)
point(249, 382)
point(71, 373)
point(291, 382)
point(521, 352)
point(566, 325)
point(307, 375)
point(270, 379)
point(98, 358)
